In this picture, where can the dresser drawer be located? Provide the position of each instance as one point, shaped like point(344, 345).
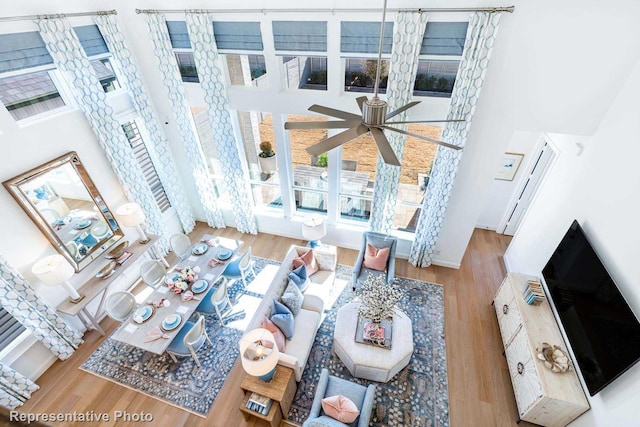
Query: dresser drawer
point(507, 312)
point(524, 376)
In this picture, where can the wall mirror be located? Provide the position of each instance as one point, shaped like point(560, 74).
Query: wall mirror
point(60, 197)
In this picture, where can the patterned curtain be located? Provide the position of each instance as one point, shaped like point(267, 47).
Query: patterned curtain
point(175, 90)
point(481, 35)
point(15, 388)
point(69, 57)
point(211, 75)
point(408, 31)
point(157, 146)
point(21, 301)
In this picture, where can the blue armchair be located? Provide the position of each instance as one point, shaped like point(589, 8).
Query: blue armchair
point(329, 385)
point(380, 241)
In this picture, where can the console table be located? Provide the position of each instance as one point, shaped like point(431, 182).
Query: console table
point(97, 286)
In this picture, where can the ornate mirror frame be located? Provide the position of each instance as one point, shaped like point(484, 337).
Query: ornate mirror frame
point(65, 226)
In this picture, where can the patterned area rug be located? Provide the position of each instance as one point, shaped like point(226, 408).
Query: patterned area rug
point(418, 395)
point(183, 384)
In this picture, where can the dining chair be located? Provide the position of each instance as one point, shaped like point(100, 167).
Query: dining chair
point(239, 268)
point(180, 245)
point(189, 340)
point(120, 304)
point(217, 301)
point(152, 273)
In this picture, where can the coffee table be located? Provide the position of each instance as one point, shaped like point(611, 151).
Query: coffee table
point(367, 361)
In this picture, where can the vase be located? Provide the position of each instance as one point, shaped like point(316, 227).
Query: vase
point(268, 165)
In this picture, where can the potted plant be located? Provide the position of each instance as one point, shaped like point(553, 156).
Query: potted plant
point(267, 158)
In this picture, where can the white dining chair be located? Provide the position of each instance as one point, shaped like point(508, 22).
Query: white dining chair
point(189, 340)
point(217, 301)
point(152, 273)
point(119, 305)
point(239, 269)
point(180, 245)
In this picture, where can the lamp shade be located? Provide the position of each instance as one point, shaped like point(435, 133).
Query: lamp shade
point(53, 270)
point(130, 214)
point(258, 352)
point(314, 228)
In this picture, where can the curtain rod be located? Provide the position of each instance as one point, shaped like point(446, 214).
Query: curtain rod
point(508, 9)
point(66, 15)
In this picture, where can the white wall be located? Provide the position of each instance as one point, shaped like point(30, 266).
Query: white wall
point(599, 188)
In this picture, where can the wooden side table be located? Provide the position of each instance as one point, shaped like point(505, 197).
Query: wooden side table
point(281, 389)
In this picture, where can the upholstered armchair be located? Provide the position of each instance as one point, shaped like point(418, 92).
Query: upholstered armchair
point(328, 385)
point(378, 241)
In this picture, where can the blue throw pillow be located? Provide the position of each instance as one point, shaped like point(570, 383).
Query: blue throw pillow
point(282, 317)
point(300, 277)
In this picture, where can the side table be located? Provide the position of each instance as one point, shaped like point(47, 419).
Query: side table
point(281, 389)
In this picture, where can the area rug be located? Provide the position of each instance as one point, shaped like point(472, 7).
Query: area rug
point(418, 395)
point(182, 384)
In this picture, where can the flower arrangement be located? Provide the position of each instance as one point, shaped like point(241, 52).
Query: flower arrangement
point(378, 298)
point(183, 279)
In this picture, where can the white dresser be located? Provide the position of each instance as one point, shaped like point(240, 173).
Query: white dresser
point(543, 397)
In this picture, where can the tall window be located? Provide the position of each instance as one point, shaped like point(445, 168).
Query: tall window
point(357, 177)
point(144, 160)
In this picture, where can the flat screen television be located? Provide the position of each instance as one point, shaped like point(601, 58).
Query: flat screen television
point(602, 330)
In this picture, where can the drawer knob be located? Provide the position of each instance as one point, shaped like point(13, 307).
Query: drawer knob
point(505, 309)
point(520, 368)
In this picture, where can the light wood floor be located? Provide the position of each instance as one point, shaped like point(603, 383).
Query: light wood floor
point(480, 393)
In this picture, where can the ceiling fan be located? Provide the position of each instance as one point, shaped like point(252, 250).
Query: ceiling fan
point(373, 118)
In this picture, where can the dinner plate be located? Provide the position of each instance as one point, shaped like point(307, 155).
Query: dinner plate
point(171, 277)
point(224, 254)
point(143, 314)
point(199, 248)
point(82, 224)
point(199, 286)
point(171, 322)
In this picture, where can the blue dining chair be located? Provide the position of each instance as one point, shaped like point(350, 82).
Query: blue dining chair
point(239, 268)
point(189, 340)
point(217, 301)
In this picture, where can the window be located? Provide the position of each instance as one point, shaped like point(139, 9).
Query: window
point(304, 72)
point(357, 177)
point(435, 78)
point(187, 67)
point(10, 328)
point(414, 176)
point(144, 160)
point(364, 38)
point(97, 51)
point(360, 75)
point(246, 70)
point(31, 94)
point(106, 75)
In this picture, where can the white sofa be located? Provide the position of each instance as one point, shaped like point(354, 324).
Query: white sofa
point(308, 319)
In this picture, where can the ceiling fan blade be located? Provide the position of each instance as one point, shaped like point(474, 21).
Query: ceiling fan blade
point(424, 121)
point(339, 139)
point(435, 141)
point(386, 151)
point(360, 100)
point(401, 109)
point(321, 124)
point(334, 113)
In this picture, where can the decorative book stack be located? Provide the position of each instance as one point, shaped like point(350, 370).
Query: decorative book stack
point(258, 403)
point(533, 293)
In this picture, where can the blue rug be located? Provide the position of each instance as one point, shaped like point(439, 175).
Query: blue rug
point(180, 384)
point(418, 395)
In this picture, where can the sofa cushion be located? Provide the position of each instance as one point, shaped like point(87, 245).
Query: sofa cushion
point(340, 408)
point(321, 285)
point(376, 258)
point(300, 277)
point(277, 334)
point(282, 317)
point(292, 297)
point(300, 343)
point(307, 259)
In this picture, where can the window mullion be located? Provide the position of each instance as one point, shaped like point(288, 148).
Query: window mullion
point(284, 163)
point(333, 196)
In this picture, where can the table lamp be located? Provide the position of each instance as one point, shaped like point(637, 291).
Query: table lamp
point(314, 229)
point(259, 353)
point(54, 270)
point(132, 215)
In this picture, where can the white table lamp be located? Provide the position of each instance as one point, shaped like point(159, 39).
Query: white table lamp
point(54, 270)
point(132, 215)
point(259, 353)
point(314, 229)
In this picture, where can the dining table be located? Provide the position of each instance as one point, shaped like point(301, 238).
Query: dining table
point(135, 332)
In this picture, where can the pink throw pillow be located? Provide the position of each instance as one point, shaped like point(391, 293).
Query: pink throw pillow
point(277, 333)
point(307, 259)
point(376, 259)
point(340, 408)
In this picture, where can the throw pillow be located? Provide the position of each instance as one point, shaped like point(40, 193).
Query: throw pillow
point(277, 334)
point(309, 260)
point(376, 259)
point(340, 408)
point(300, 277)
point(292, 297)
point(282, 317)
